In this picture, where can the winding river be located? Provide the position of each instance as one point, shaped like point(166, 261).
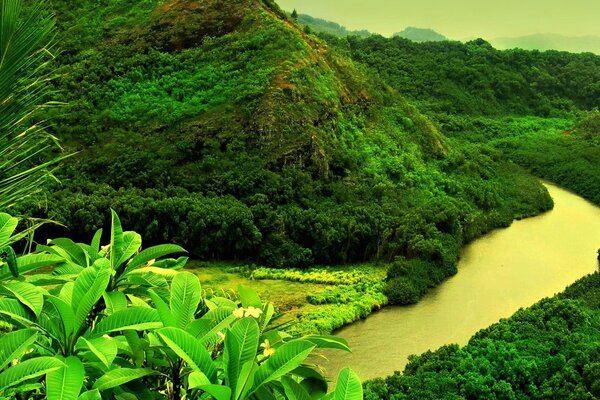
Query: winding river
point(498, 274)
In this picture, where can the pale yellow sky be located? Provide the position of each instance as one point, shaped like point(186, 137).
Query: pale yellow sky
point(459, 19)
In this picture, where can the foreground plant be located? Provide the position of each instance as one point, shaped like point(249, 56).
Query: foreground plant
point(115, 322)
point(25, 42)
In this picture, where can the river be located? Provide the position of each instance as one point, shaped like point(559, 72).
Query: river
point(497, 274)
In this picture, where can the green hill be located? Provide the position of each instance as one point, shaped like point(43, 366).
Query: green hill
point(222, 126)
point(473, 78)
point(421, 35)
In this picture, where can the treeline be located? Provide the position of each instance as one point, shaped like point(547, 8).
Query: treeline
point(550, 350)
point(475, 79)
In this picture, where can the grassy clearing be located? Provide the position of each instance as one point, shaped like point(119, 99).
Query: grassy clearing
point(316, 300)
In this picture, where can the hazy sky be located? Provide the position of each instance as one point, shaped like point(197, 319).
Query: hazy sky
point(459, 19)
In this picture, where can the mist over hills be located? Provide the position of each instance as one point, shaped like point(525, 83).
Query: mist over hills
point(541, 41)
point(549, 41)
point(421, 35)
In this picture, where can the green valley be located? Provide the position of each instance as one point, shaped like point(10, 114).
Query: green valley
point(281, 177)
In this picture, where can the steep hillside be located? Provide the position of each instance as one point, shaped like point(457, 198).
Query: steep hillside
point(224, 127)
point(474, 78)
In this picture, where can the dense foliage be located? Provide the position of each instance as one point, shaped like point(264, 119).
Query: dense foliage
point(241, 137)
point(564, 151)
point(114, 321)
point(475, 79)
point(549, 351)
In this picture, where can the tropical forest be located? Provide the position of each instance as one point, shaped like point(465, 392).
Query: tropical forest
point(299, 200)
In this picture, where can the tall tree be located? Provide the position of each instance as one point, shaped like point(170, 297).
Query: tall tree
point(295, 15)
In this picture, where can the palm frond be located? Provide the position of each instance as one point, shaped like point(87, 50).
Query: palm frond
point(25, 52)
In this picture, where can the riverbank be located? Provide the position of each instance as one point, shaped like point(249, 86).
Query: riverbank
point(321, 300)
point(313, 301)
point(498, 274)
point(547, 351)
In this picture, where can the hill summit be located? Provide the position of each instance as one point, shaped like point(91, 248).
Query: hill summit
point(421, 35)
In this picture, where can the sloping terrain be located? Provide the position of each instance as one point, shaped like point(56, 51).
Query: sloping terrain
point(224, 127)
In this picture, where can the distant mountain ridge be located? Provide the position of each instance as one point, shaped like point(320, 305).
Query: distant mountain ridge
point(541, 42)
point(550, 41)
point(329, 27)
point(421, 35)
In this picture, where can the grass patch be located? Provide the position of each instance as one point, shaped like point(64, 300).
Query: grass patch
point(316, 300)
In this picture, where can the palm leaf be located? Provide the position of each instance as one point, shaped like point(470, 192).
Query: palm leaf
point(24, 53)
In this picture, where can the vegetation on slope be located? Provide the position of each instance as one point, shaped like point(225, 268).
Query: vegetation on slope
point(241, 137)
point(564, 151)
point(550, 350)
point(475, 79)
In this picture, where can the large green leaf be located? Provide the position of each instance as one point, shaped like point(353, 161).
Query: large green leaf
point(328, 342)
point(249, 297)
point(348, 386)
point(115, 301)
point(28, 369)
point(131, 244)
point(287, 357)
point(16, 311)
point(186, 294)
point(9, 257)
point(8, 224)
point(144, 278)
point(153, 253)
point(89, 288)
point(94, 249)
point(218, 321)
point(90, 395)
point(132, 318)
point(67, 317)
point(190, 350)
point(241, 344)
point(197, 379)
point(70, 250)
point(31, 262)
point(65, 383)
point(120, 376)
point(45, 280)
point(245, 381)
point(165, 313)
point(293, 390)
point(14, 344)
point(28, 294)
point(217, 391)
point(103, 349)
point(116, 239)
